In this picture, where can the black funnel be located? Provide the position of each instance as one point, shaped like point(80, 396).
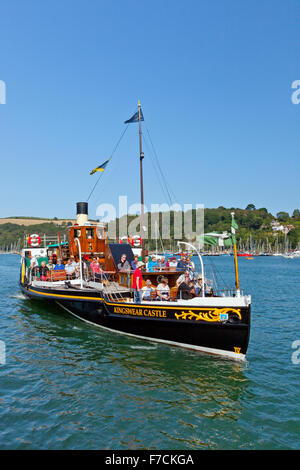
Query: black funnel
point(82, 208)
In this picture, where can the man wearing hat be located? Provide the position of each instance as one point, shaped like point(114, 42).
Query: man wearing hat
point(182, 264)
point(173, 263)
point(199, 285)
point(137, 283)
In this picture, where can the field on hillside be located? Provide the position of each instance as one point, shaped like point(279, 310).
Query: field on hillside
point(28, 221)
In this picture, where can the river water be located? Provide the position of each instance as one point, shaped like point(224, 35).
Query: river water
point(65, 384)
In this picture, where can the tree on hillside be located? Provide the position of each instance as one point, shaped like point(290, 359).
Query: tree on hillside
point(263, 211)
point(296, 214)
point(293, 238)
point(282, 216)
point(250, 207)
point(252, 221)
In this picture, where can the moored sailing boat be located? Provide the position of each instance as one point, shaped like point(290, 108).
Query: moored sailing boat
point(215, 322)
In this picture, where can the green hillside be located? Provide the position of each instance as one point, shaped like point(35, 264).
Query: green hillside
point(254, 227)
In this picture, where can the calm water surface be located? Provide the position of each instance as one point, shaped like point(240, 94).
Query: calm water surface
point(69, 385)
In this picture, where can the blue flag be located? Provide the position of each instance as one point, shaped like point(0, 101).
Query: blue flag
point(135, 118)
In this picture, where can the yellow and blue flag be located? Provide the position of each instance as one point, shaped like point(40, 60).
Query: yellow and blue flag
point(100, 167)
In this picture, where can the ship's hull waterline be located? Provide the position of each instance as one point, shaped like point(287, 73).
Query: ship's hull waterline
point(216, 327)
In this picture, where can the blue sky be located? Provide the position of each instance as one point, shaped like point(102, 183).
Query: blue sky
point(214, 79)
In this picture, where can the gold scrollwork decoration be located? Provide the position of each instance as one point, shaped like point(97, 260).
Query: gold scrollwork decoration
point(207, 314)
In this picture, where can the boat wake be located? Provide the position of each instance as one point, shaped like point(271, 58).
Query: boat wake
point(19, 296)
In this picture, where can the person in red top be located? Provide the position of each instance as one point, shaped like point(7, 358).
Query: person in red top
point(137, 283)
point(95, 268)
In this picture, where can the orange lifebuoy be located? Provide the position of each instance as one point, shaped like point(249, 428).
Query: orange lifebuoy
point(34, 240)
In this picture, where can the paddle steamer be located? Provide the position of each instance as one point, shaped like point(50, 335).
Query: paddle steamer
point(214, 322)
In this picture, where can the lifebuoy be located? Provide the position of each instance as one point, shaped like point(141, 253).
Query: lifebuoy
point(124, 240)
point(34, 240)
point(136, 241)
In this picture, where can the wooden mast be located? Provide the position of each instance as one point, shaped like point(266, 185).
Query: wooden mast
point(59, 246)
point(142, 185)
point(237, 281)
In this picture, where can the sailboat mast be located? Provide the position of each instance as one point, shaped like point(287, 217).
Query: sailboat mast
point(142, 184)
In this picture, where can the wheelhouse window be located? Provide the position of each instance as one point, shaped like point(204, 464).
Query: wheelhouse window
point(100, 233)
point(90, 233)
point(77, 233)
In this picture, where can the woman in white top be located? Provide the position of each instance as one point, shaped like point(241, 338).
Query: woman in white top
point(146, 290)
point(163, 290)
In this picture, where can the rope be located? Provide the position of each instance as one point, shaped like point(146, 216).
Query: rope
point(157, 172)
point(160, 170)
point(111, 155)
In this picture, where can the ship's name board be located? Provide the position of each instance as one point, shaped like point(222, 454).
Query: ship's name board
point(142, 312)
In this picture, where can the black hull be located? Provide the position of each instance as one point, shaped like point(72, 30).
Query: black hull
point(62, 294)
point(176, 326)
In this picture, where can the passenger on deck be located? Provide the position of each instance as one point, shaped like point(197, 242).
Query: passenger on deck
point(182, 264)
point(33, 263)
point(137, 283)
point(83, 267)
point(185, 277)
point(146, 262)
point(163, 290)
point(73, 262)
point(193, 289)
point(95, 268)
point(152, 264)
point(85, 263)
point(70, 269)
point(147, 290)
point(173, 263)
point(134, 263)
point(199, 285)
point(123, 265)
point(185, 290)
point(95, 265)
point(190, 264)
point(210, 292)
point(43, 270)
point(59, 265)
point(50, 265)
